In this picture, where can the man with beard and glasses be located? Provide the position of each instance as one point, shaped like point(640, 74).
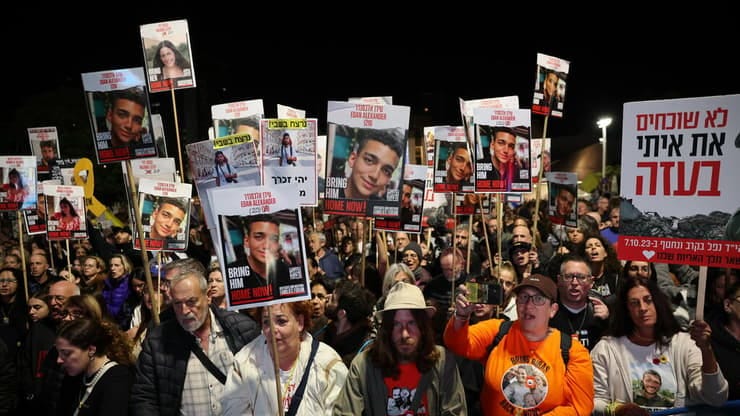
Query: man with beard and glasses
point(170, 378)
point(403, 371)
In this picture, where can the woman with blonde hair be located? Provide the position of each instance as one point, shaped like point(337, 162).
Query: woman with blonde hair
point(307, 367)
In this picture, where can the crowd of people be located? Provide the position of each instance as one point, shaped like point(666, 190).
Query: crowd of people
point(390, 328)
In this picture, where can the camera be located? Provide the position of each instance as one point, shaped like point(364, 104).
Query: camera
point(489, 293)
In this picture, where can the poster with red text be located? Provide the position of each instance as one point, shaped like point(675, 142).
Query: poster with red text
point(540, 150)
point(467, 110)
point(679, 181)
point(412, 202)
point(118, 107)
point(453, 161)
point(549, 85)
point(502, 163)
point(165, 214)
point(167, 54)
point(561, 203)
point(366, 144)
point(18, 187)
point(45, 146)
point(155, 168)
point(260, 246)
point(289, 157)
point(65, 207)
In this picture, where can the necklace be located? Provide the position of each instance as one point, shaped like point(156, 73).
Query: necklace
point(583, 321)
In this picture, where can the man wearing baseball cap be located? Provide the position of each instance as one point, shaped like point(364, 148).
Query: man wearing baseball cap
point(403, 370)
point(530, 351)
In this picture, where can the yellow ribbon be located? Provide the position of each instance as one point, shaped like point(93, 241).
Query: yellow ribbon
point(95, 207)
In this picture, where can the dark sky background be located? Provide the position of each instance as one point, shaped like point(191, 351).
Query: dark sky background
point(302, 58)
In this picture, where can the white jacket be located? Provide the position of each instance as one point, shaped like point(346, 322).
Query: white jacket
point(611, 361)
point(251, 389)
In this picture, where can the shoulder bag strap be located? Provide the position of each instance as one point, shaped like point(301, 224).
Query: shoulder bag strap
point(107, 366)
point(298, 395)
point(207, 363)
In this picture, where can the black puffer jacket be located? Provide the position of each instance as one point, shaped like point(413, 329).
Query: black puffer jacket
point(162, 363)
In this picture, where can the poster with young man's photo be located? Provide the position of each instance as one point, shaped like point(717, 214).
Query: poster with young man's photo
point(18, 184)
point(165, 213)
point(366, 144)
point(260, 246)
point(45, 146)
point(563, 194)
point(118, 107)
point(412, 202)
point(549, 86)
point(65, 208)
point(289, 156)
point(227, 162)
point(453, 167)
point(167, 54)
point(502, 161)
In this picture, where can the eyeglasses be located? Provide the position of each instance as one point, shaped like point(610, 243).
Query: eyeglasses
point(523, 298)
point(58, 298)
point(580, 277)
point(8, 281)
point(75, 314)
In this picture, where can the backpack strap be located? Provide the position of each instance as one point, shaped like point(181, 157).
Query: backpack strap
point(565, 343)
point(502, 330)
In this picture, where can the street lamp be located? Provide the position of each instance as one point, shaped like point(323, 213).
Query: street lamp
point(603, 123)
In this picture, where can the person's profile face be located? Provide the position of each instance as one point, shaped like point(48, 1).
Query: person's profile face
point(564, 203)
point(127, 121)
point(372, 170)
point(503, 148)
point(263, 241)
point(166, 221)
point(460, 165)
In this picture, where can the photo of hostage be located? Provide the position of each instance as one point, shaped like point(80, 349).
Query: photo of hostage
point(563, 208)
point(502, 156)
point(16, 189)
point(286, 151)
point(459, 165)
point(169, 60)
point(648, 395)
point(67, 217)
point(373, 161)
point(261, 244)
point(125, 116)
point(222, 169)
point(48, 152)
point(167, 219)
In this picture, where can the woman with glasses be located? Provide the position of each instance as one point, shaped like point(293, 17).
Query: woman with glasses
point(645, 337)
point(530, 349)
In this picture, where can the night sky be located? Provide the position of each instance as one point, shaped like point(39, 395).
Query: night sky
point(295, 58)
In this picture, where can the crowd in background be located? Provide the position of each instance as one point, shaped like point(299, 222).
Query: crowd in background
point(93, 308)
